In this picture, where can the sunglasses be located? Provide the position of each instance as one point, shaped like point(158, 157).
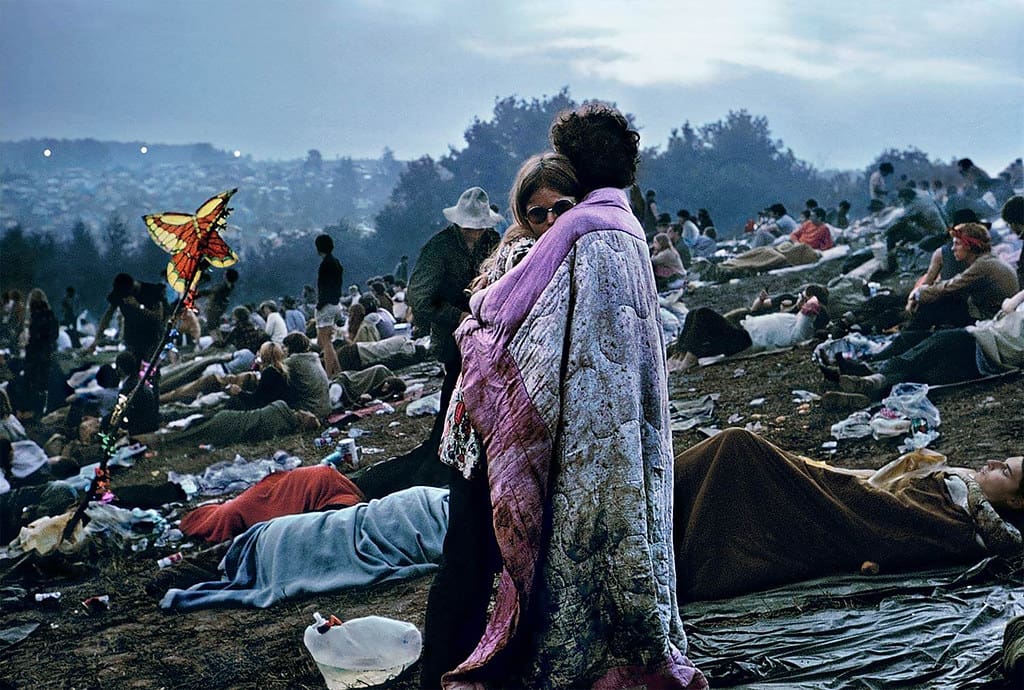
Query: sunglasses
point(539, 214)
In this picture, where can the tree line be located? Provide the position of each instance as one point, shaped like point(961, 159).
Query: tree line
point(733, 167)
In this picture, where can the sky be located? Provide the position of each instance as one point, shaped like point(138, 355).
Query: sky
point(838, 82)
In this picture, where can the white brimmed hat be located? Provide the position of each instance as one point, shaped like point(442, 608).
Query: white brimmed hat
point(473, 210)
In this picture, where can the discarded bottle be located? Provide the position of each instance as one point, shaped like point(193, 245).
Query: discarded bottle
point(168, 561)
point(206, 446)
point(332, 459)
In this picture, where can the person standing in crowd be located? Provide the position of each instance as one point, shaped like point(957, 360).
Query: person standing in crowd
point(69, 309)
point(143, 308)
point(437, 289)
point(401, 272)
point(877, 188)
point(328, 308)
point(218, 298)
point(42, 343)
point(581, 492)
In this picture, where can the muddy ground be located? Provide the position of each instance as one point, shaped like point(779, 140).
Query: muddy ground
point(135, 645)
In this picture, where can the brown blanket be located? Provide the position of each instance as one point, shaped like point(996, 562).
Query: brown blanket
point(750, 516)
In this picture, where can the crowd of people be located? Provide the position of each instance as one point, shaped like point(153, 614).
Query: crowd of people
point(568, 503)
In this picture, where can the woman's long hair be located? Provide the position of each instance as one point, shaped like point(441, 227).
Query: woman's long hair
point(356, 314)
point(272, 355)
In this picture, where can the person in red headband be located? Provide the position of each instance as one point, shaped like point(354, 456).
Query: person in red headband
point(976, 293)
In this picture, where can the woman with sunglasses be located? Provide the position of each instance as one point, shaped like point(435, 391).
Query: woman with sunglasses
point(545, 187)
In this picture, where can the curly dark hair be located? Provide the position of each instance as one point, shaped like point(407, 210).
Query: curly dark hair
point(598, 141)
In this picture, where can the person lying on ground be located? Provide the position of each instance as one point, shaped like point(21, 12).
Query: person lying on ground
point(235, 426)
point(952, 355)
point(750, 516)
point(707, 333)
point(394, 353)
point(785, 302)
point(302, 490)
point(248, 390)
point(757, 260)
point(355, 388)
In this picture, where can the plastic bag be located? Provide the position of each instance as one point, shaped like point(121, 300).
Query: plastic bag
point(430, 404)
point(910, 400)
point(857, 425)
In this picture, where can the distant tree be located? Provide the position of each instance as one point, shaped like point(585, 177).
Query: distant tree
point(80, 248)
point(18, 258)
point(115, 241)
point(345, 188)
point(493, 152)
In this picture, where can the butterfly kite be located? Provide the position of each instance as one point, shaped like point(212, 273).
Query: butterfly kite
point(193, 239)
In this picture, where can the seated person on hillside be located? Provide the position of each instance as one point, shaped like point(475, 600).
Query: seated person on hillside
point(1013, 213)
point(294, 319)
point(705, 245)
point(922, 218)
point(976, 293)
point(668, 266)
point(707, 333)
point(244, 335)
point(394, 353)
point(750, 516)
point(358, 327)
point(307, 377)
point(235, 426)
point(302, 490)
point(380, 318)
point(97, 402)
point(946, 356)
point(815, 232)
point(944, 265)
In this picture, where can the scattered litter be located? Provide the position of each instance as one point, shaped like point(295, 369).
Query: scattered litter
point(757, 402)
point(802, 396)
point(709, 431)
point(780, 419)
point(394, 424)
point(804, 409)
point(830, 445)
point(857, 425)
point(232, 476)
point(370, 450)
point(168, 561)
point(755, 427)
point(356, 432)
point(48, 599)
point(688, 414)
point(430, 404)
point(735, 418)
point(97, 604)
point(738, 372)
point(918, 440)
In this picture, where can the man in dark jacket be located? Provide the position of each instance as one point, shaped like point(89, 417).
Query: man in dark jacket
point(437, 294)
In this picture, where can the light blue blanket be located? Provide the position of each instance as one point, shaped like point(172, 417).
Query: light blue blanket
point(393, 538)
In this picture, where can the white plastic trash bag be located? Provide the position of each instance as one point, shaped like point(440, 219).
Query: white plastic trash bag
point(362, 652)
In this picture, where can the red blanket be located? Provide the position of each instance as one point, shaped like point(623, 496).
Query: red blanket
point(303, 490)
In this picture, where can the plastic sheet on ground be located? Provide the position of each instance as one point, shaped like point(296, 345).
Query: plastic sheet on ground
point(934, 629)
point(687, 414)
point(231, 477)
point(429, 404)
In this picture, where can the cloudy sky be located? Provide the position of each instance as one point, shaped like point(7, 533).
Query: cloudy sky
point(838, 82)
